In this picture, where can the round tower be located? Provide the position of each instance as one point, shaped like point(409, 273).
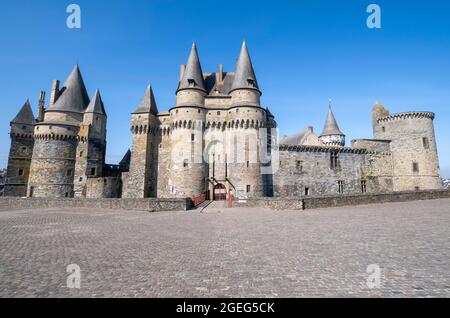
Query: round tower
point(246, 118)
point(331, 134)
point(187, 176)
point(414, 150)
point(56, 138)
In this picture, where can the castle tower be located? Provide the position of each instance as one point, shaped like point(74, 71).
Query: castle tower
point(91, 149)
point(142, 176)
point(22, 143)
point(247, 117)
point(56, 139)
point(378, 111)
point(187, 168)
point(331, 134)
point(413, 147)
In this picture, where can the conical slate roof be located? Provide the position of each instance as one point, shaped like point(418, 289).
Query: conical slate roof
point(25, 115)
point(126, 159)
point(245, 75)
point(193, 75)
point(74, 97)
point(96, 105)
point(331, 127)
point(148, 103)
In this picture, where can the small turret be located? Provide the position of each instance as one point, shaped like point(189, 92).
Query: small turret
point(378, 111)
point(331, 134)
point(142, 176)
point(148, 103)
point(91, 149)
point(19, 160)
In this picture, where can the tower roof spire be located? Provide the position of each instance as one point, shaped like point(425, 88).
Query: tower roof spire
point(193, 75)
point(331, 127)
point(74, 97)
point(25, 115)
point(148, 103)
point(96, 104)
point(244, 77)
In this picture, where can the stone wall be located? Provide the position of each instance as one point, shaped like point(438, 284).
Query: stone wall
point(19, 161)
point(150, 205)
point(270, 203)
point(308, 171)
point(104, 187)
point(317, 202)
point(375, 198)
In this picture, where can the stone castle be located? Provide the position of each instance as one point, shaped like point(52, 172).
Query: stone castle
point(217, 140)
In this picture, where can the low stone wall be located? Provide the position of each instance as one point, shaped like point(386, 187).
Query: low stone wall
point(362, 199)
point(150, 205)
point(271, 203)
point(317, 202)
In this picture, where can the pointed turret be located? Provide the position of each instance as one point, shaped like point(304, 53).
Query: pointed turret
point(25, 115)
point(125, 162)
point(331, 134)
point(192, 75)
point(73, 96)
point(148, 103)
point(244, 77)
point(331, 127)
point(96, 105)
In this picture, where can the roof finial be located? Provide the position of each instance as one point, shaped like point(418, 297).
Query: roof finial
point(330, 103)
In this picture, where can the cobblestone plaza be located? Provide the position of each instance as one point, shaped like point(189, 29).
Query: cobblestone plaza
point(228, 252)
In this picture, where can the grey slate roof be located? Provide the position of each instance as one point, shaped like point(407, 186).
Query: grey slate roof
point(25, 115)
point(193, 75)
point(296, 139)
point(73, 96)
point(212, 84)
point(126, 159)
point(245, 75)
point(148, 103)
point(331, 127)
point(96, 105)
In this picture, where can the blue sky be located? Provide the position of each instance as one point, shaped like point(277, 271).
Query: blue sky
point(304, 53)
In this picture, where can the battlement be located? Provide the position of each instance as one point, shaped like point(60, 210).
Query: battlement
point(304, 148)
point(406, 115)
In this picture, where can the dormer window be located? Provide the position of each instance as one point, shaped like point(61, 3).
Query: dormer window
point(251, 82)
point(191, 82)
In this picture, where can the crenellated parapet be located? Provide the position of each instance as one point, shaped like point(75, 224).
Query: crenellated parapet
point(406, 115)
point(327, 149)
point(59, 137)
point(145, 129)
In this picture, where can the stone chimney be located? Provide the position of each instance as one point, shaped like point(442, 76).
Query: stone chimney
point(54, 94)
point(182, 69)
point(41, 108)
point(220, 74)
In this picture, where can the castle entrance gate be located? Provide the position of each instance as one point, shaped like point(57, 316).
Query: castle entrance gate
point(220, 192)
